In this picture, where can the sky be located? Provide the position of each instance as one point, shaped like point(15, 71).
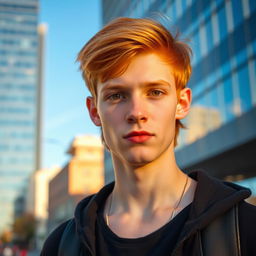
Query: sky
point(70, 24)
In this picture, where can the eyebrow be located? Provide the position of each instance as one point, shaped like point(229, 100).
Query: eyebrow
point(113, 86)
point(157, 82)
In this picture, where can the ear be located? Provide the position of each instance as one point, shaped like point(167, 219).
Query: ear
point(184, 101)
point(93, 112)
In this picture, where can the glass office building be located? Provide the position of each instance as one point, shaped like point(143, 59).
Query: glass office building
point(221, 125)
point(19, 100)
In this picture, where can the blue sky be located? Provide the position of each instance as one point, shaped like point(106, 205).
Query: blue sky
point(70, 25)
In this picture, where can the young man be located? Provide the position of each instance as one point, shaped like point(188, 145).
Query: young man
point(137, 73)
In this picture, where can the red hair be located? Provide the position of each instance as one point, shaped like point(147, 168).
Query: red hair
point(108, 54)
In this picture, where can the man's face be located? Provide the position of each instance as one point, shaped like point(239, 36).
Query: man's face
point(137, 111)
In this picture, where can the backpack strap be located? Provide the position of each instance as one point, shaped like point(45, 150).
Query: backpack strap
point(69, 243)
point(221, 237)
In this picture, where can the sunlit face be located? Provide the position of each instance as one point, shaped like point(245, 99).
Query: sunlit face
point(137, 111)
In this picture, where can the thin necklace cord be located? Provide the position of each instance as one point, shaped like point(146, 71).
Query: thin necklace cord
point(173, 211)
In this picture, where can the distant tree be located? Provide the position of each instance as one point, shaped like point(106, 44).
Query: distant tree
point(6, 236)
point(24, 229)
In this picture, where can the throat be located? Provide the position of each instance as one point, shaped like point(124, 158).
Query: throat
point(135, 221)
point(125, 226)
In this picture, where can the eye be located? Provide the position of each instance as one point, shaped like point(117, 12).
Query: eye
point(115, 97)
point(156, 93)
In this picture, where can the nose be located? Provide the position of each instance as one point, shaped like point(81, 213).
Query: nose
point(137, 118)
point(137, 112)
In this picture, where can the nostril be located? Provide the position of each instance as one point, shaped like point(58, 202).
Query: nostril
point(143, 118)
point(131, 119)
point(136, 118)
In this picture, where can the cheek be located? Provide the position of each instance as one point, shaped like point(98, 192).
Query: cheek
point(110, 120)
point(167, 112)
point(111, 114)
point(166, 118)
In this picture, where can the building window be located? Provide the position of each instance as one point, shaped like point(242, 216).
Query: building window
point(252, 5)
point(209, 34)
point(244, 89)
point(229, 99)
point(229, 16)
point(222, 20)
point(215, 29)
point(237, 10)
point(246, 8)
point(203, 40)
point(252, 76)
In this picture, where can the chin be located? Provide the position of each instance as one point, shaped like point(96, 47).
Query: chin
point(139, 160)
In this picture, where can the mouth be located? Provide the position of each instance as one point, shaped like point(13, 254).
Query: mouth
point(138, 136)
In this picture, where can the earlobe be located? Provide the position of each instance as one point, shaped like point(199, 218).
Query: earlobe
point(93, 112)
point(184, 102)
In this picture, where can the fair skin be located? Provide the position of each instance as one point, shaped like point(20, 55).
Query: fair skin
point(137, 112)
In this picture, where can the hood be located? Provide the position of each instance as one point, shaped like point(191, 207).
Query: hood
point(212, 198)
point(86, 215)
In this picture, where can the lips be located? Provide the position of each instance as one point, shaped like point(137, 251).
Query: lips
point(138, 136)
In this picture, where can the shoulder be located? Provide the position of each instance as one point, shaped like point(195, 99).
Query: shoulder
point(247, 227)
point(51, 244)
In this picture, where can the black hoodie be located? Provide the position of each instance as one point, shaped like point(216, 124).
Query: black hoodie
point(212, 199)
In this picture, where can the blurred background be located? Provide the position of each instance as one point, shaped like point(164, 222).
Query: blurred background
point(51, 155)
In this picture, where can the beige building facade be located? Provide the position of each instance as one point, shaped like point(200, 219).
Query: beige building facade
point(37, 200)
point(82, 176)
point(200, 121)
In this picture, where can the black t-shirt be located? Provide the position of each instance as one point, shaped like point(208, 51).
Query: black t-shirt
point(159, 243)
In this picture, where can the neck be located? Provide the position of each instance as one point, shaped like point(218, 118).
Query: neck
point(141, 190)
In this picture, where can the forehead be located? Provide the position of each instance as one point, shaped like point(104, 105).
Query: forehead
point(142, 69)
